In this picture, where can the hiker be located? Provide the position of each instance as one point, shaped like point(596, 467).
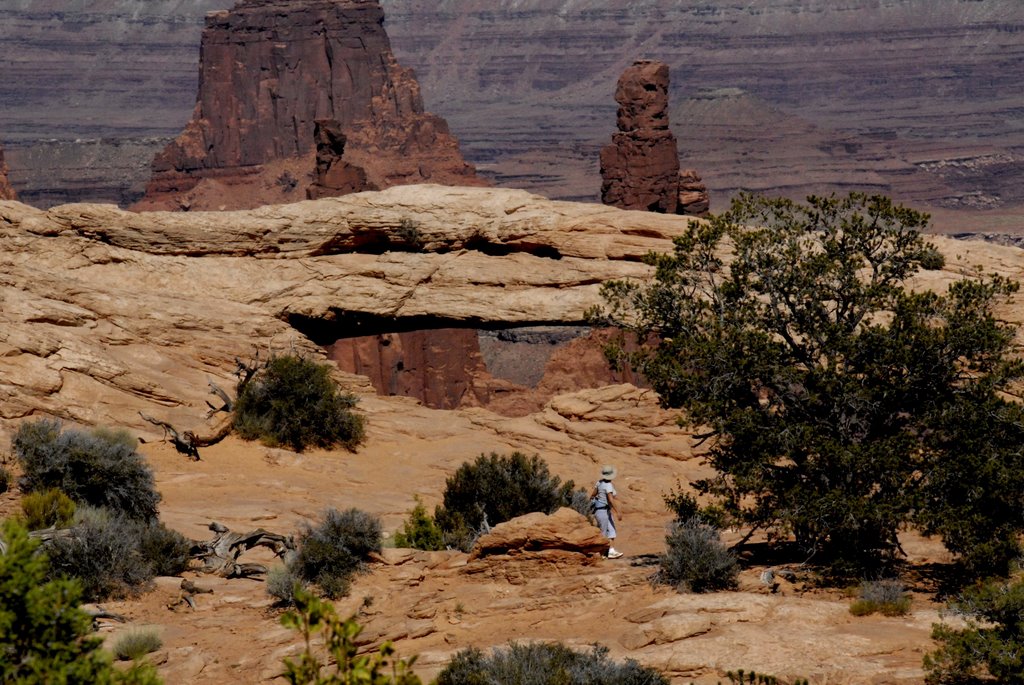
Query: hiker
point(603, 498)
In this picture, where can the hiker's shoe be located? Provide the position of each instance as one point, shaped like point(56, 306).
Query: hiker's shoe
point(612, 554)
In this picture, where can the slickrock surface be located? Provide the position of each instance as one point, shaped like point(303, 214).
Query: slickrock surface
point(433, 604)
point(106, 311)
point(269, 69)
point(6, 191)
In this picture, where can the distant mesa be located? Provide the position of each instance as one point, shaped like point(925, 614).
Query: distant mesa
point(281, 80)
point(6, 191)
point(640, 168)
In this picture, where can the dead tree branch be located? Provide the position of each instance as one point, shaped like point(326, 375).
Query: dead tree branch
point(183, 442)
point(220, 555)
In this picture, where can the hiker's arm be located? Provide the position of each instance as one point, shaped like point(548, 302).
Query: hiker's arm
point(613, 508)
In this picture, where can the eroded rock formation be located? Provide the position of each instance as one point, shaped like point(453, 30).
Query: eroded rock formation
point(105, 312)
point(6, 191)
point(269, 69)
point(640, 168)
point(334, 176)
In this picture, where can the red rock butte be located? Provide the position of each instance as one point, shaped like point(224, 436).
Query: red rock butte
point(640, 168)
point(271, 69)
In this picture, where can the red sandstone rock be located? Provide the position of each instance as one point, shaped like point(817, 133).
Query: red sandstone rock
point(564, 530)
point(640, 168)
point(269, 69)
point(6, 191)
point(694, 199)
point(334, 176)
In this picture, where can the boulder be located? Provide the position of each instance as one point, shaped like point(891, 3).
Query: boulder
point(565, 530)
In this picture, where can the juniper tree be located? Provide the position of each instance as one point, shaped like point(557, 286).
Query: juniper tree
point(838, 403)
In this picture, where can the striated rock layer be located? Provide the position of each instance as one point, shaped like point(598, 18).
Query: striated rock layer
point(6, 191)
point(269, 70)
point(104, 312)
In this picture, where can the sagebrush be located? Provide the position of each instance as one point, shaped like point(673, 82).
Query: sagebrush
point(113, 556)
point(696, 560)
point(332, 551)
point(100, 468)
point(544, 664)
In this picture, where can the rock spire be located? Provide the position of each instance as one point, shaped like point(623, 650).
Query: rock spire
point(640, 168)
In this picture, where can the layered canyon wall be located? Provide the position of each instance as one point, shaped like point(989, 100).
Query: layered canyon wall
point(6, 191)
point(917, 98)
point(269, 71)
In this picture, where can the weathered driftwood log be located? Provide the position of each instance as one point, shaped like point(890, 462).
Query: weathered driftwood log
point(220, 555)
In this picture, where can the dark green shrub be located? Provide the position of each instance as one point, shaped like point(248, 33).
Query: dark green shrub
point(113, 556)
point(544, 664)
point(685, 507)
point(494, 489)
point(838, 403)
point(696, 560)
point(44, 636)
point(333, 551)
point(167, 551)
point(99, 468)
point(293, 401)
point(136, 644)
point(887, 597)
point(420, 531)
point(49, 508)
point(991, 647)
point(5, 479)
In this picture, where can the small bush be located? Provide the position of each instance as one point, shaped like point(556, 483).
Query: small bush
point(420, 531)
point(5, 479)
point(990, 648)
point(494, 489)
point(696, 560)
point(886, 597)
point(293, 401)
point(544, 664)
point(136, 644)
point(99, 468)
point(332, 552)
point(45, 637)
point(102, 552)
point(46, 509)
point(167, 551)
point(685, 507)
point(345, 663)
point(282, 584)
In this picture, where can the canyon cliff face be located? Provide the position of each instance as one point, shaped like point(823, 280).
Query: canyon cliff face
point(6, 191)
point(915, 98)
point(269, 69)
